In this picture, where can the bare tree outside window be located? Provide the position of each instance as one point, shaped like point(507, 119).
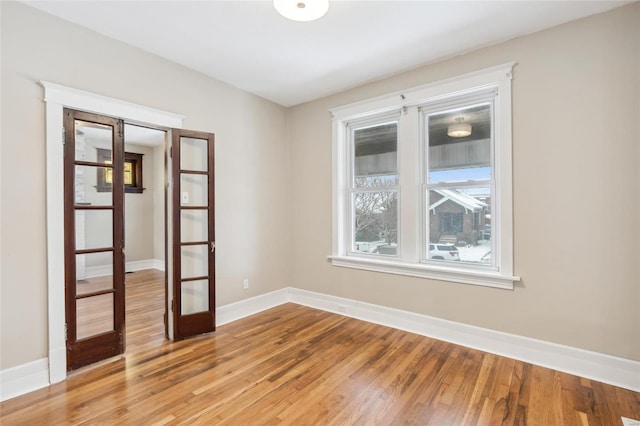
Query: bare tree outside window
point(375, 189)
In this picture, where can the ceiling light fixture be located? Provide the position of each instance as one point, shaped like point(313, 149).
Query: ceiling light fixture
point(460, 129)
point(301, 10)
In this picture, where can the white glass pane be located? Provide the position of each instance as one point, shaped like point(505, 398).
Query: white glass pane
point(193, 190)
point(87, 190)
point(90, 137)
point(93, 265)
point(193, 154)
point(459, 144)
point(194, 297)
point(193, 225)
point(94, 229)
point(375, 222)
point(375, 155)
point(460, 225)
point(194, 261)
point(94, 315)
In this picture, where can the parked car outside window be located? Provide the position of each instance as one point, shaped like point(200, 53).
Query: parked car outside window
point(443, 252)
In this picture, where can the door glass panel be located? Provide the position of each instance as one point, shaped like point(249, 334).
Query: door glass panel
point(87, 191)
point(94, 229)
point(194, 190)
point(194, 297)
point(194, 261)
point(94, 269)
point(89, 137)
point(193, 154)
point(94, 315)
point(193, 225)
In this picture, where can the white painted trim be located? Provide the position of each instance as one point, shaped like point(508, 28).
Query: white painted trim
point(55, 242)
point(98, 271)
point(436, 90)
point(244, 308)
point(496, 81)
point(24, 378)
point(140, 265)
point(419, 270)
point(158, 264)
point(92, 102)
point(56, 98)
point(592, 365)
point(136, 265)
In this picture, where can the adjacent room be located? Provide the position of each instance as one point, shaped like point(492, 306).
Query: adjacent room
point(320, 212)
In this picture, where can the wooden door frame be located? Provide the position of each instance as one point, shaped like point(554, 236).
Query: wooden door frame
point(57, 97)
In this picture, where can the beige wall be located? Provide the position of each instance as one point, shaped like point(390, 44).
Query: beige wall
point(576, 192)
point(139, 212)
point(576, 180)
point(158, 202)
point(251, 162)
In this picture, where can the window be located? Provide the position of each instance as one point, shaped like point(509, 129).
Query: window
point(132, 172)
point(422, 181)
point(374, 187)
point(458, 163)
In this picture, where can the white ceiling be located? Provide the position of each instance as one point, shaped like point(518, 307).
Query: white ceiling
point(249, 45)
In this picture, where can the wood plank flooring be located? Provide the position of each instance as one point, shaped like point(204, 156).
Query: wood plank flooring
point(294, 365)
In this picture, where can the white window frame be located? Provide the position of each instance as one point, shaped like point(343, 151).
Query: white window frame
point(412, 236)
point(485, 95)
point(351, 127)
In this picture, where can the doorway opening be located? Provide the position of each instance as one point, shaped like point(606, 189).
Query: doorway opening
point(115, 222)
point(189, 304)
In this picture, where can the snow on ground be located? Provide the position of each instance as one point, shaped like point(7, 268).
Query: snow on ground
point(475, 253)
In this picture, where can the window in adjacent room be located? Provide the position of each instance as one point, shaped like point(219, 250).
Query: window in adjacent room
point(132, 172)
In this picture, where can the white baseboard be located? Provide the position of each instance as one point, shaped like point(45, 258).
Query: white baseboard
point(24, 378)
point(244, 308)
point(592, 365)
point(158, 264)
point(136, 265)
point(140, 265)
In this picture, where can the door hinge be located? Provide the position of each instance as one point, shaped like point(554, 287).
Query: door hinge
point(171, 305)
point(170, 152)
point(66, 330)
point(64, 135)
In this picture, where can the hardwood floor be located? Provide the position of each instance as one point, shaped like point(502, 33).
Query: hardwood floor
point(295, 365)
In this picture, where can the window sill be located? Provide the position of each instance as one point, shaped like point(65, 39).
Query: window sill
point(443, 273)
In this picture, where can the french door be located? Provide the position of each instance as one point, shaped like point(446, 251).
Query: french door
point(193, 233)
point(94, 238)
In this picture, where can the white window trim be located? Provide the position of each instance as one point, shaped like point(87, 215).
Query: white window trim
point(499, 77)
